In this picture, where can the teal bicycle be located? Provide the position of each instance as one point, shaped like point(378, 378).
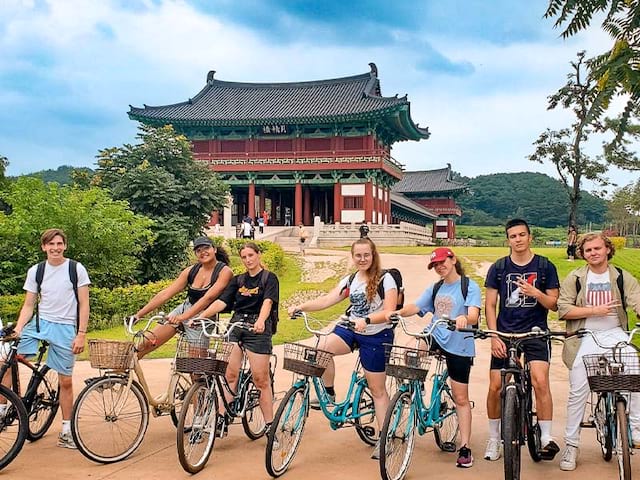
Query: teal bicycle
point(408, 412)
point(309, 363)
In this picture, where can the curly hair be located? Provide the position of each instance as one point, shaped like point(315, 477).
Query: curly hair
point(374, 271)
point(587, 237)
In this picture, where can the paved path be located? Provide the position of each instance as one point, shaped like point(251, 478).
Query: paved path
point(324, 454)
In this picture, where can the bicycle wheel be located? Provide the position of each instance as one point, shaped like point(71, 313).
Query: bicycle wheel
point(602, 419)
point(43, 403)
point(197, 427)
point(533, 427)
point(511, 433)
point(397, 437)
point(253, 420)
point(13, 426)
point(286, 432)
point(622, 441)
point(180, 385)
point(365, 417)
point(446, 430)
point(109, 419)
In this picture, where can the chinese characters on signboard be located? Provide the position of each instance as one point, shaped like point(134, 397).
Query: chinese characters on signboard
point(275, 129)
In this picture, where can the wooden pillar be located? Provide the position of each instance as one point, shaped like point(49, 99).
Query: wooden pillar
point(297, 209)
point(368, 201)
point(337, 203)
point(306, 206)
point(262, 199)
point(252, 200)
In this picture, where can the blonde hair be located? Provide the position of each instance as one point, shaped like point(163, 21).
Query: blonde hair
point(587, 237)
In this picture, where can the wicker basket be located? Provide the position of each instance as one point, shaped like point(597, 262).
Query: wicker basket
point(407, 363)
point(305, 360)
point(209, 356)
point(110, 354)
point(609, 373)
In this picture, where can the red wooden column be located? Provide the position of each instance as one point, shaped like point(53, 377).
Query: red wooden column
point(337, 203)
point(306, 216)
point(262, 199)
point(368, 201)
point(377, 204)
point(252, 199)
point(215, 218)
point(298, 204)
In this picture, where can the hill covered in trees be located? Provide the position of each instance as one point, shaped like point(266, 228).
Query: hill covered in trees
point(537, 197)
point(61, 175)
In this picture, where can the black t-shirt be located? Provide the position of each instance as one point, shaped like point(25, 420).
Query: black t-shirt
point(247, 296)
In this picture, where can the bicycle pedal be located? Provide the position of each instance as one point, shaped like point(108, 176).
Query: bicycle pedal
point(587, 425)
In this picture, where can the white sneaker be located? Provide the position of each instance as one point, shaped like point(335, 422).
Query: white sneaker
point(65, 440)
point(568, 458)
point(493, 451)
point(375, 455)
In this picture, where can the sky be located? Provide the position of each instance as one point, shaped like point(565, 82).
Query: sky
point(477, 72)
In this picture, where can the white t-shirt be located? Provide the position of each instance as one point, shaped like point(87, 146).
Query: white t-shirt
point(360, 308)
point(599, 292)
point(58, 303)
point(246, 226)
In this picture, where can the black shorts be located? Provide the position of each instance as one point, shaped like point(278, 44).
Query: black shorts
point(254, 342)
point(571, 250)
point(533, 349)
point(459, 367)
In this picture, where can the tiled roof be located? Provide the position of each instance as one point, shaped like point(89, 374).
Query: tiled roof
point(222, 103)
point(428, 181)
point(401, 201)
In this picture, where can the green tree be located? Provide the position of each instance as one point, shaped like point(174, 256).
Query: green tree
point(105, 235)
point(161, 180)
point(4, 182)
point(615, 70)
point(565, 148)
point(624, 209)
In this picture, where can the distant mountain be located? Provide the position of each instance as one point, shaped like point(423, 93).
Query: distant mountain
point(536, 197)
point(61, 175)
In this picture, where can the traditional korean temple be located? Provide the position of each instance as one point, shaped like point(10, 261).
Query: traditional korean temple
point(301, 149)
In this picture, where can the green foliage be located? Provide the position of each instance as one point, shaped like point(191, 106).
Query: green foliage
point(161, 180)
point(103, 234)
point(533, 196)
point(624, 209)
point(64, 175)
point(618, 242)
point(272, 254)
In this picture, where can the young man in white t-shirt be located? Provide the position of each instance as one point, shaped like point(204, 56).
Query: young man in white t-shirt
point(58, 321)
point(590, 297)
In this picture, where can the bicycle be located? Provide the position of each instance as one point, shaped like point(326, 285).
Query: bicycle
point(407, 409)
point(14, 423)
point(199, 418)
point(519, 419)
point(309, 363)
point(111, 414)
point(42, 395)
point(612, 376)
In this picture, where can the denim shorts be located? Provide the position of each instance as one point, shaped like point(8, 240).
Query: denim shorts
point(60, 336)
point(371, 346)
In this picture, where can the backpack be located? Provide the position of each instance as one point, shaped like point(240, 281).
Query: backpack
point(464, 287)
point(273, 315)
point(397, 277)
point(619, 282)
point(543, 263)
point(73, 276)
point(214, 277)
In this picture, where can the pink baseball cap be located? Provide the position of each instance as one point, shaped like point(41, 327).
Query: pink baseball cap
point(439, 255)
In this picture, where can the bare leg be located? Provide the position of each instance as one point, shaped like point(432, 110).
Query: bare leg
point(259, 364)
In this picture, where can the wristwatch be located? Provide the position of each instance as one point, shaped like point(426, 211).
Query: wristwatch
point(367, 320)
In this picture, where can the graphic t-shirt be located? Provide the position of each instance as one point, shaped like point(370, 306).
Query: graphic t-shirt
point(247, 296)
point(598, 292)
point(518, 312)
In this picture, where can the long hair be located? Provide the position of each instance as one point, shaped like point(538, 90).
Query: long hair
point(374, 270)
point(222, 255)
point(587, 237)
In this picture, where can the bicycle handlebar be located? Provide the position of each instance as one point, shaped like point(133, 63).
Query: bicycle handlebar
point(208, 323)
point(343, 321)
point(619, 345)
point(444, 320)
point(160, 319)
point(535, 332)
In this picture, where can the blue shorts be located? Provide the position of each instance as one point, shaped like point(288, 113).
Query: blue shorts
point(60, 336)
point(371, 346)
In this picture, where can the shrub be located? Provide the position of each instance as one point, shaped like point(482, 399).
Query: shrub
point(618, 242)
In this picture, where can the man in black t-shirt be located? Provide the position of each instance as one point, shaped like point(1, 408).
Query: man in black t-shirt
point(527, 286)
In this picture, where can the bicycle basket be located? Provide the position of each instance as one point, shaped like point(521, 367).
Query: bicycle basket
point(205, 355)
point(609, 373)
point(110, 354)
point(305, 360)
point(406, 363)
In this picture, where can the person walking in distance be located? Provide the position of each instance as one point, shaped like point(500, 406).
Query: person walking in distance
point(594, 296)
point(572, 239)
point(302, 235)
point(526, 286)
point(61, 318)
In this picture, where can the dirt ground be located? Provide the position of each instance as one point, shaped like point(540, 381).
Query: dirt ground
point(323, 454)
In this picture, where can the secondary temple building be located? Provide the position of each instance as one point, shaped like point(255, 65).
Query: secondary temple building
point(302, 149)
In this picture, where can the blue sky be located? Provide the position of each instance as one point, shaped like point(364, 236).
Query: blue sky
point(476, 72)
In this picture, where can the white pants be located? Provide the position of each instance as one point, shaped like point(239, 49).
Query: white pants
point(579, 386)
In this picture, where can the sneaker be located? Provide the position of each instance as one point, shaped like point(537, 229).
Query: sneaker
point(568, 458)
point(376, 451)
point(493, 451)
point(314, 403)
point(65, 440)
point(222, 427)
point(465, 459)
point(549, 451)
